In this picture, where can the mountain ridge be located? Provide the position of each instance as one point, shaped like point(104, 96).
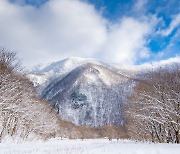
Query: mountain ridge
point(86, 91)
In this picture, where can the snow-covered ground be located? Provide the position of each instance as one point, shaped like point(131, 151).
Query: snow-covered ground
point(100, 146)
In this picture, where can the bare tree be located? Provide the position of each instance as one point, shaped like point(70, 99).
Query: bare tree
point(154, 108)
point(21, 112)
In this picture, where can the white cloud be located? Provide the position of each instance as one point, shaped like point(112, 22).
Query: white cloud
point(145, 53)
point(172, 49)
point(63, 28)
point(126, 41)
point(175, 22)
point(161, 63)
point(170, 60)
point(140, 5)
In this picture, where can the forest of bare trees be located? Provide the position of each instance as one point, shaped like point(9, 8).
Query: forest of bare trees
point(153, 111)
point(22, 114)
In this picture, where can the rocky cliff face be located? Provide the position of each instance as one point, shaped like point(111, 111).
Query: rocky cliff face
point(89, 94)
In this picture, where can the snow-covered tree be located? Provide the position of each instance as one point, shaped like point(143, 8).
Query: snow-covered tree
point(22, 114)
point(154, 107)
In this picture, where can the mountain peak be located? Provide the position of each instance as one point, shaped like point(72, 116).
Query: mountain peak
point(89, 94)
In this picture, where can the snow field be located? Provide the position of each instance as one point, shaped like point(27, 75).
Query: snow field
point(97, 146)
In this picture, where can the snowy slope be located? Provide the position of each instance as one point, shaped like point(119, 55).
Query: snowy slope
point(48, 71)
point(99, 146)
point(41, 75)
point(87, 91)
point(84, 91)
point(90, 94)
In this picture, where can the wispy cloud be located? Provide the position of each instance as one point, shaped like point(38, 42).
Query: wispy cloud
point(175, 23)
point(140, 5)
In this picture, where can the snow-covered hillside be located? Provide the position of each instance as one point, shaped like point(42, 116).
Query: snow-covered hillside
point(87, 91)
point(84, 91)
point(99, 146)
point(43, 73)
point(90, 95)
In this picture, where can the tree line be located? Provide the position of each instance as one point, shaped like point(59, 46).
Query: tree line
point(153, 111)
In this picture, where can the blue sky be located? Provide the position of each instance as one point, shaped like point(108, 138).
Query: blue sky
point(152, 28)
point(165, 9)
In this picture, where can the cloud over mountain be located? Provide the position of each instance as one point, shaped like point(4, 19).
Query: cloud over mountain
point(63, 28)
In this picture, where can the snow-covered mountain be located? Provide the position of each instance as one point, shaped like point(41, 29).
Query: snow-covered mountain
point(43, 74)
point(87, 91)
point(84, 91)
